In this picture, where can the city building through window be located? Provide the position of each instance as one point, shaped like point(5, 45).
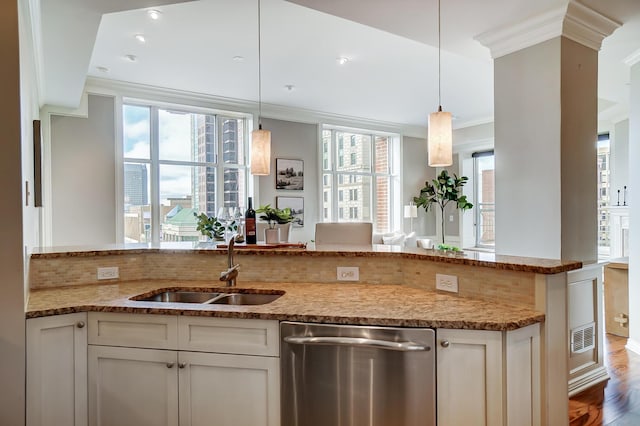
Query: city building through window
point(361, 177)
point(484, 198)
point(176, 163)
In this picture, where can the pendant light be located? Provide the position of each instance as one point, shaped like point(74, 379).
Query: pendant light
point(260, 139)
point(440, 138)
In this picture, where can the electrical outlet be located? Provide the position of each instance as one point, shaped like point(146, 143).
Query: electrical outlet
point(450, 218)
point(108, 273)
point(447, 283)
point(348, 273)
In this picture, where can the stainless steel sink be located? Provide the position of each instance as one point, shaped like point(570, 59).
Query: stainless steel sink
point(245, 299)
point(210, 297)
point(180, 297)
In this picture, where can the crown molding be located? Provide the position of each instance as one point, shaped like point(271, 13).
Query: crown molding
point(273, 111)
point(574, 21)
point(632, 59)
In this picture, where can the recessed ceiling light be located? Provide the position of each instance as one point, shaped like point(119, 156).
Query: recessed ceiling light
point(154, 14)
point(102, 69)
point(141, 38)
point(342, 60)
point(131, 58)
point(238, 58)
point(289, 87)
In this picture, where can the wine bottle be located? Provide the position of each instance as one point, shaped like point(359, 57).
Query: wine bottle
point(250, 224)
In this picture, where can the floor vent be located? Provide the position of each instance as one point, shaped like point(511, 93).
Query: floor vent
point(583, 338)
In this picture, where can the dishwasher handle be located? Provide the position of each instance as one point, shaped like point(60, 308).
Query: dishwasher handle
point(357, 341)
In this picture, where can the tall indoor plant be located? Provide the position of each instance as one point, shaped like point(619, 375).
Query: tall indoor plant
point(444, 190)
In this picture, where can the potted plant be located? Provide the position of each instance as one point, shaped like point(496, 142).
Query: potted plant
point(274, 216)
point(213, 228)
point(444, 190)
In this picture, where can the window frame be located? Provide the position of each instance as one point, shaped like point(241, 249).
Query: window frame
point(336, 175)
point(476, 190)
point(154, 162)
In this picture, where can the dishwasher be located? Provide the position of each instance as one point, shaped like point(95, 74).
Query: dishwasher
point(338, 375)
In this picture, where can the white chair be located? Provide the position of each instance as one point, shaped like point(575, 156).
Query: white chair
point(284, 231)
point(347, 233)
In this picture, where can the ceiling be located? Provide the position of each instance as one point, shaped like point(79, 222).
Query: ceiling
point(391, 75)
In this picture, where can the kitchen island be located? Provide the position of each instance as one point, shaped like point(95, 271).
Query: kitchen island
point(496, 294)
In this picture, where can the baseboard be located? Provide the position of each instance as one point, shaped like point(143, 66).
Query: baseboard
point(633, 346)
point(593, 377)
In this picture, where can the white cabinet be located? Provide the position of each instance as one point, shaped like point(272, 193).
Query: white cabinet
point(488, 377)
point(57, 370)
point(237, 386)
point(229, 390)
point(131, 386)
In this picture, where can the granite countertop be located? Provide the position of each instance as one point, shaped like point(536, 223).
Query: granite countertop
point(360, 304)
point(472, 258)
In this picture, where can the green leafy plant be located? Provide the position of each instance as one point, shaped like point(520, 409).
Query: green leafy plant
point(441, 191)
point(274, 215)
point(212, 227)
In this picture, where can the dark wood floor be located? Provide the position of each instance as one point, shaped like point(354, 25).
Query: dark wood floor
point(616, 402)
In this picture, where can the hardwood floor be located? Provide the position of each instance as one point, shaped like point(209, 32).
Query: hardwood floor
point(616, 402)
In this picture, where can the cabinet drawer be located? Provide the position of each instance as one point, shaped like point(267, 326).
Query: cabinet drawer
point(229, 335)
point(141, 331)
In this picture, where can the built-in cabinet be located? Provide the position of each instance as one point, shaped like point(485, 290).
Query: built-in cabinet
point(57, 370)
point(175, 385)
point(488, 377)
point(161, 370)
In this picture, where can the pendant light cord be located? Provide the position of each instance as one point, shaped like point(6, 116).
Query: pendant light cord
point(259, 71)
point(439, 64)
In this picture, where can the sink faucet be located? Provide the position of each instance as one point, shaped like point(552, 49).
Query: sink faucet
point(230, 274)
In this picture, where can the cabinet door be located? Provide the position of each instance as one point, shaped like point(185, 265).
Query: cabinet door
point(469, 371)
point(229, 390)
point(130, 386)
point(57, 370)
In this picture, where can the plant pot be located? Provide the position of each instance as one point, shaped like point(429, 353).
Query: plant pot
point(272, 236)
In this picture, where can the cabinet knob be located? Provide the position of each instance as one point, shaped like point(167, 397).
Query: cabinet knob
point(182, 365)
point(80, 324)
point(170, 364)
point(444, 343)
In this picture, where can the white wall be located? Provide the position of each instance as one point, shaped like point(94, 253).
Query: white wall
point(619, 151)
point(298, 141)
point(415, 173)
point(12, 320)
point(634, 211)
point(83, 167)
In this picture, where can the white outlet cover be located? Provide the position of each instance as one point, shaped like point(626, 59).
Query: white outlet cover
point(108, 273)
point(447, 283)
point(348, 273)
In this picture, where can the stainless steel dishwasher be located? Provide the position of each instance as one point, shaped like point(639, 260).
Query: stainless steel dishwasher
point(334, 375)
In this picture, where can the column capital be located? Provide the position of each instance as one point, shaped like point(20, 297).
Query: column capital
point(574, 21)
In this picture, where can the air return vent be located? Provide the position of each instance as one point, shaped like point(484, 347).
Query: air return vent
point(583, 338)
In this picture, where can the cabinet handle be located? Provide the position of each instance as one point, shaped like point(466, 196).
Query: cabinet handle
point(80, 324)
point(170, 364)
point(182, 365)
point(444, 343)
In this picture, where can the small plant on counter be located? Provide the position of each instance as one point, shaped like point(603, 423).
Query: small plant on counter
point(211, 227)
point(442, 191)
point(274, 215)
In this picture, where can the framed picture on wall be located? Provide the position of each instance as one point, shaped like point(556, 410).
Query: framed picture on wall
point(296, 204)
point(289, 174)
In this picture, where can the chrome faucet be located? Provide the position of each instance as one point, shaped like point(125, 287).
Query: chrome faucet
point(230, 274)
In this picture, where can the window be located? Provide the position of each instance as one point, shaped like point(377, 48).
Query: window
point(604, 197)
point(177, 162)
point(365, 187)
point(484, 198)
